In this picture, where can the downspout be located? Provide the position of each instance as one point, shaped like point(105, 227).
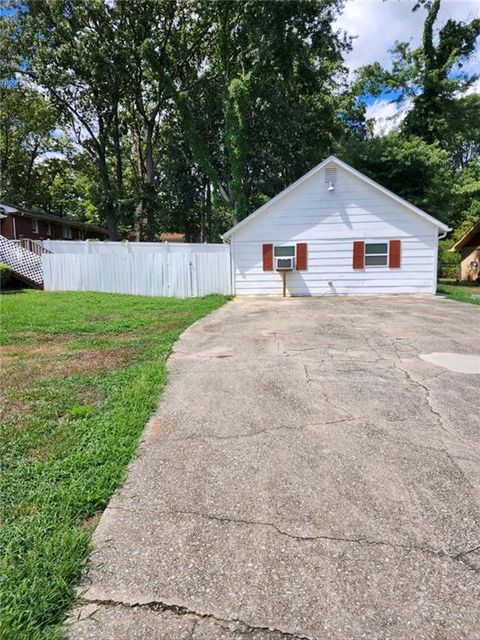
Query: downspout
point(14, 227)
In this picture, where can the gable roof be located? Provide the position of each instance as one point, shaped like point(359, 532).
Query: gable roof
point(467, 237)
point(343, 165)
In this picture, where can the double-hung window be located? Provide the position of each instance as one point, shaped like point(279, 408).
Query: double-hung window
point(376, 254)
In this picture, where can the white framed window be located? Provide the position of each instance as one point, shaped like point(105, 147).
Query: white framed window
point(81, 234)
point(376, 254)
point(34, 226)
point(49, 229)
point(67, 232)
point(284, 256)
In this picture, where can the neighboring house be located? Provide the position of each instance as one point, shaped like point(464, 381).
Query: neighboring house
point(167, 236)
point(17, 222)
point(469, 248)
point(335, 231)
point(171, 237)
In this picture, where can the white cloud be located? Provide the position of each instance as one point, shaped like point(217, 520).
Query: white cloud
point(379, 24)
point(473, 88)
point(387, 115)
point(48, 155)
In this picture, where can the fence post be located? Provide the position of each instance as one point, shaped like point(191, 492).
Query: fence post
point(168, 267)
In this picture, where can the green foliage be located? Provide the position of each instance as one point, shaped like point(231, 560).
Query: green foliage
point(236, 108)
point(438, 142)
point(156, 116)
point(460, 293)
point(5, 273)
point(419, 172)
point(70, 426)
point(448, 262)
point(78, 411)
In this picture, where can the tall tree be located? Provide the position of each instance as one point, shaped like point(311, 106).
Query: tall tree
point(28, 134)
point(275, 67)
point(430, 76)
point(67, 49)
point(162, 41)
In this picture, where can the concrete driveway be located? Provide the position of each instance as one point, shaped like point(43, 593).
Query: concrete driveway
point(308, 475)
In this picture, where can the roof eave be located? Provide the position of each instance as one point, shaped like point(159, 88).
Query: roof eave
point(463, 242)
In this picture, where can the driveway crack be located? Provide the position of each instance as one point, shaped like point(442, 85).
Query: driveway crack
point(360, 540)
point(234, 625)
point(251, 434)
point(436, 414)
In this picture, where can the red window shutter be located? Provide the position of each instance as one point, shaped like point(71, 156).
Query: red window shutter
point(394, 254)
point(358, 254)
point(301, 262)
point(268, 257)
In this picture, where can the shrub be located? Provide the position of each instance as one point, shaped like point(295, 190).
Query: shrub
point(5, 273)
point(448, 263)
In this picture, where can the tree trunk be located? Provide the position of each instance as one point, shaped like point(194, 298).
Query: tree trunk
point(108, 202)
point(145, 224)
point(118, 157)
point(206, 213)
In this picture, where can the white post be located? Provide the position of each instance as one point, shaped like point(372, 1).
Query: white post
point(168, 267)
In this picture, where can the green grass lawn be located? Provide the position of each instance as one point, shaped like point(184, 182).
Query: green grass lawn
point(81, 376)
point(460, 293)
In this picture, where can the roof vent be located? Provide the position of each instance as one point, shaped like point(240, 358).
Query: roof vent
point(331, 176)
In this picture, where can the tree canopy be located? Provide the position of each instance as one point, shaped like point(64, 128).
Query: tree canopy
point(185, 115)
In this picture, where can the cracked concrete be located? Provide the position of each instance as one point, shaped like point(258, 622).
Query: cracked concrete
point(307, 475)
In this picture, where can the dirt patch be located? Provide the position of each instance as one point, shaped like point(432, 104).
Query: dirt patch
point(89, 396)
point(23, 373)
point(91, 522)
point(90, 361)
point(13, 351)
point(45, 337)
point(154, 428)
point(169, 326)
point(14, 407)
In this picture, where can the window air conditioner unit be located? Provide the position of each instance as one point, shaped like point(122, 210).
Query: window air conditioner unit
point(284, 264)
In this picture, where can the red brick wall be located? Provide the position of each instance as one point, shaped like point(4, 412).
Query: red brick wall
point(24, 229)
point(6, 228)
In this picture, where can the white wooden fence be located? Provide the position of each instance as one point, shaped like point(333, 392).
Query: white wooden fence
point(193, 270)
point(96, 247)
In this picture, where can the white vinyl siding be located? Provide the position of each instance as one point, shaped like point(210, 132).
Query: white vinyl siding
point(329, 222)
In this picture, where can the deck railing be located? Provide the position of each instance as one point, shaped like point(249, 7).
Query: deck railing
point(35, 246)
point(26, 264)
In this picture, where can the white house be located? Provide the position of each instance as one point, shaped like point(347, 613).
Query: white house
point(335, 231)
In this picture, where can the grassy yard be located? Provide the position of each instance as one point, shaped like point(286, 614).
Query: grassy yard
point(460, 293)
point(81, 375)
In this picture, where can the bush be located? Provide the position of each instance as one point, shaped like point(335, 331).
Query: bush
point(448, 263)
point(5, 273)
